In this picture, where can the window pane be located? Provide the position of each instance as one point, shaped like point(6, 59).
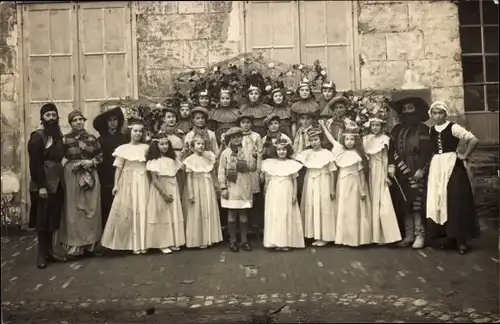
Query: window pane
point(492, 68)
point(470, 39)
point(474, 98)
point(473, 69)
point(468, 13)
point(490, 13)
point(492, 97)
point(491, 39)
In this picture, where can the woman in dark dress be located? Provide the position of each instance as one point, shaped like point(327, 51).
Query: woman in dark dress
point(109, 124)
point(450, 201)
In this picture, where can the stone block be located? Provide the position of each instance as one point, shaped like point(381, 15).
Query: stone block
point(190, 7)
point(195, 53)
point(446, 93)
point(383, 75)
point(220, 51)
point(219, 6)
point(384, 18)
point(438, 72)
point(158, 7)
point(373, 47)
point(166, 27)
point(212, 26)
point(438, 20)
point(155, 83)
point(405, 46)
point(160, 55)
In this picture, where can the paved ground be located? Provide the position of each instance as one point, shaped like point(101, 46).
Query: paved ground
point(329, 284)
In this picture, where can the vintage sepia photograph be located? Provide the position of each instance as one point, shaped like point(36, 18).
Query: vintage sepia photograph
point(249, 162)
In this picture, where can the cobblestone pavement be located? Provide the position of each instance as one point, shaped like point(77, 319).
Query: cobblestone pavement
point(329, 284)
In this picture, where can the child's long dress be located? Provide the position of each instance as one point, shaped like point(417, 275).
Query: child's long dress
point(354, 225)
point(283, 223)
point(203, 227)
point(126, 226)
point(316, 206)
point(384, 221)
point(165, 226)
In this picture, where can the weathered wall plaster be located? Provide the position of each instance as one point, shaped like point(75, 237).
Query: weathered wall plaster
point(176, 35)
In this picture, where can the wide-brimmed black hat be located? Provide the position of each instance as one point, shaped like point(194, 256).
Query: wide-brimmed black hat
point(421, 106)
point(101, 121)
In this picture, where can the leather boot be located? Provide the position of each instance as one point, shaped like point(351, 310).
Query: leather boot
point(462, 246)
point(409, 232)
point(51, 256)
point(41, 260)
point(419, 232)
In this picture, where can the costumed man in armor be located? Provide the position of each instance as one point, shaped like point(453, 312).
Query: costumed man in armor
point(46, 151)
point(109, 124)
point(409, 158)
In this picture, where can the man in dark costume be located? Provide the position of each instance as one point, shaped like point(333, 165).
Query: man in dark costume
point(109, 125)
point(45, 149)
point(409, 158)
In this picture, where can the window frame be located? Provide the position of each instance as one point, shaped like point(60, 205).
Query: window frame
point(483, 55)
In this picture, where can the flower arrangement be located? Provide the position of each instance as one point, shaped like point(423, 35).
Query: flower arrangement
point(364, 106)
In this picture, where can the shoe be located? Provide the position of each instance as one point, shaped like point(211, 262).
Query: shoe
point(136, 252)
point(166, 251)
point(278, 249)
point(419, 242)
point(321, 243)
point(407, 241)
point(315, 243)
point(52, 257)
point(41, 262)
point(174, 248)
point(285, 249)
point(462, 247)
point(233, 246)
point(203, 247)
point(246, 247)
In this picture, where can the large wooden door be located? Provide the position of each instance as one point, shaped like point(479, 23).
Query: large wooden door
point(326, 32)
point(105, 41)
point(304, 31)
point(75, 55)
point(272, 28)
point(50, 50)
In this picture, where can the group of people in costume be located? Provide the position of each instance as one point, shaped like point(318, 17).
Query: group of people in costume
point(305, 167)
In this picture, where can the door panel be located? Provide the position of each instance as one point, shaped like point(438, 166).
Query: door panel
point(272, 28)
point(105, 54)
point(50, 59)
point(326, 35)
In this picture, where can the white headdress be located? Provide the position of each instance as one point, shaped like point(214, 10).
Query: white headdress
point(441, 105)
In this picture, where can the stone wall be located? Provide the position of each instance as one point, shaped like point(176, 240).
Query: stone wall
point(420, 37)
point(176, 35)
point(9, 104)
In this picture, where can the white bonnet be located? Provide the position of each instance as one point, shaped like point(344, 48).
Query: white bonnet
point(441, 105)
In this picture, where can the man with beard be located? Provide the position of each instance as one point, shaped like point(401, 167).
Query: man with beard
point(109, 125)
point(409, 158)
point(45, 149)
